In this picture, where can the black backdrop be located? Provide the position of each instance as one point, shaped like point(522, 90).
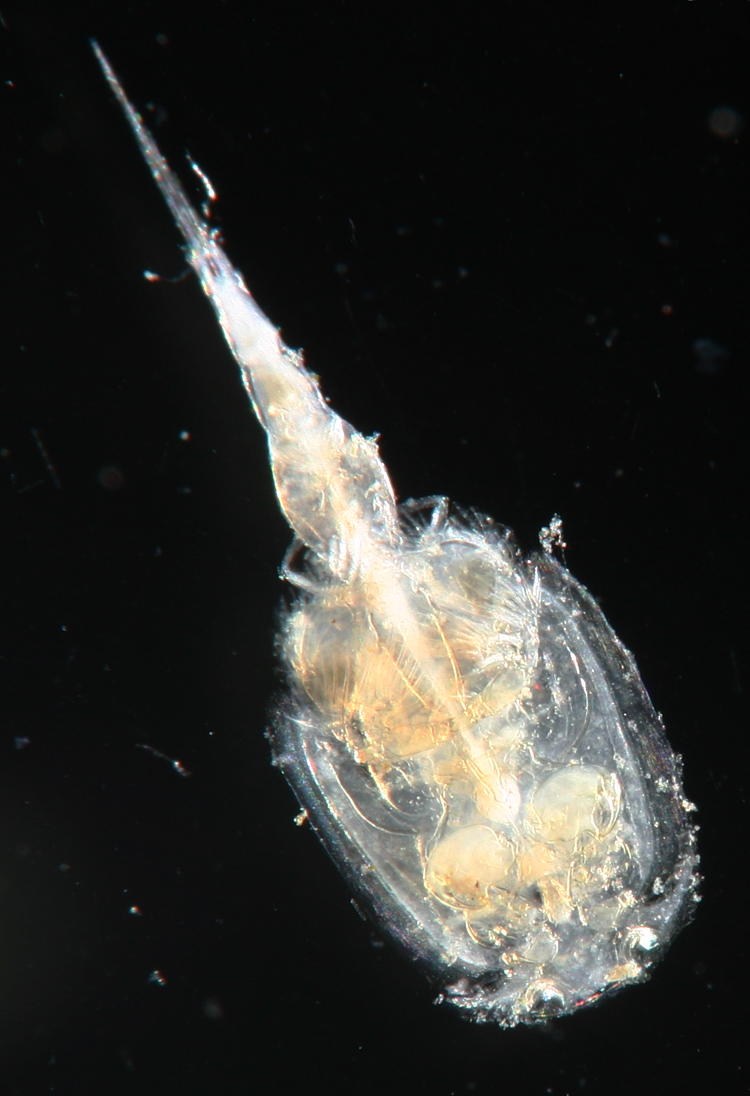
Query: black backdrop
point(514, 243)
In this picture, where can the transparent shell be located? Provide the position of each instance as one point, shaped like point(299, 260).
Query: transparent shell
point(469, 738)
point(535, 853)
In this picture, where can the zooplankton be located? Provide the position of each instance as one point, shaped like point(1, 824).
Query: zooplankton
point(469, 738)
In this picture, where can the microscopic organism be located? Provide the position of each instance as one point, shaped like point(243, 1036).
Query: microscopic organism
point(468, 737)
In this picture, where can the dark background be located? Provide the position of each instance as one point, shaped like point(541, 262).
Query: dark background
point(515, 243)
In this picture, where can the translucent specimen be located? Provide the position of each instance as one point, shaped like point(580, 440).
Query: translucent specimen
point(469, 738)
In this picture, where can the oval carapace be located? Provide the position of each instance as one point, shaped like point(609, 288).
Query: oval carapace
point(467, 735)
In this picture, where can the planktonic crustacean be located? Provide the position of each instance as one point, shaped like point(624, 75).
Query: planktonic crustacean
point(469, 738)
